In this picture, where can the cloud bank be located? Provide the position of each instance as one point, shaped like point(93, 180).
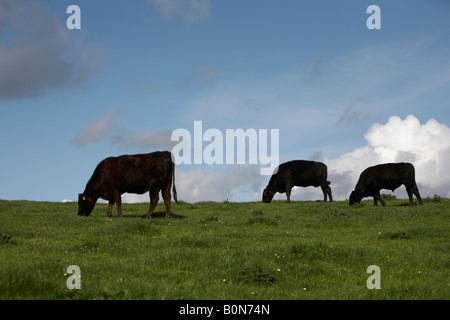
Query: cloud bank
point(426, 146)
point(106, 129)
point(38, 52)
point(196, 185)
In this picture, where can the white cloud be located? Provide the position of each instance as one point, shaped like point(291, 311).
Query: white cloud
point(97, 130)
point(146, 139)
point(106, 129)
point(196, 185)
point(427, 146)
point(137, 198)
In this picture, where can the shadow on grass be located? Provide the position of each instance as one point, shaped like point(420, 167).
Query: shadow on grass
point(392, 204)
point(155, 215)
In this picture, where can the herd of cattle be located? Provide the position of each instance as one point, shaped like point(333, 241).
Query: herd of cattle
point(155, 172)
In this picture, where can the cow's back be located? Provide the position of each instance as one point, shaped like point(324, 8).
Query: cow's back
point(303, 173)
point(307, 170)
point(135, 173)
point(397, 170)
point(388, 175)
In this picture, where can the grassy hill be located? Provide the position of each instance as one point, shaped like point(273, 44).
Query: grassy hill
point(302, 250)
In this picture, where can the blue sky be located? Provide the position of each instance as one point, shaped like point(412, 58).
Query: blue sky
point(136, 71)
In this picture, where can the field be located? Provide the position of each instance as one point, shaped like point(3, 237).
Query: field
point(209, 250)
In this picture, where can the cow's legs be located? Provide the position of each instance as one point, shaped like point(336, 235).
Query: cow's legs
point(330, 196)
point(410, 196)
point(376, 197)
point(326, 191)
point(154, 198)
point(118, 199)
point(289, 187)
point(288, 194)
point(108, 213)
point(414, 190)
point(119, 209)
point(324, 194)
point(166, 197)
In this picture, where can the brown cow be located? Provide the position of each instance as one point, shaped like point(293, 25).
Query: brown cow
point(153, 172)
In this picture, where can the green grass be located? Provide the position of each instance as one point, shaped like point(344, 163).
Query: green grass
point(302, 250)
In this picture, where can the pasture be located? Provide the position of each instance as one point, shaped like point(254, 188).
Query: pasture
point(301, 250)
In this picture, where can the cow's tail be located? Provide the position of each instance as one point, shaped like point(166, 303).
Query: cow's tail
point(174, 189)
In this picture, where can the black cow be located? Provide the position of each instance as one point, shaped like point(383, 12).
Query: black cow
point(300, 173)
point(385, 176)
point(153, 172)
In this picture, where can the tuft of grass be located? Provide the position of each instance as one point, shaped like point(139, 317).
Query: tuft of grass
point(5, 239)
point(256, 275)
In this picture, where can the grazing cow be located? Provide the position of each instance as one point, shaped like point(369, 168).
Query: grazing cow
point(153, 172)
point(300, 173)
point(385, 176)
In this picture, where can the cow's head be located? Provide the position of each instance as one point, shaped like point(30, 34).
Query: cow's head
point(353, 199)
point(85, 205)
point(267, 195)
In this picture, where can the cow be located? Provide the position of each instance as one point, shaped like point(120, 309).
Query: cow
point(385, 176)
point(153, 172)
point(300, 173)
